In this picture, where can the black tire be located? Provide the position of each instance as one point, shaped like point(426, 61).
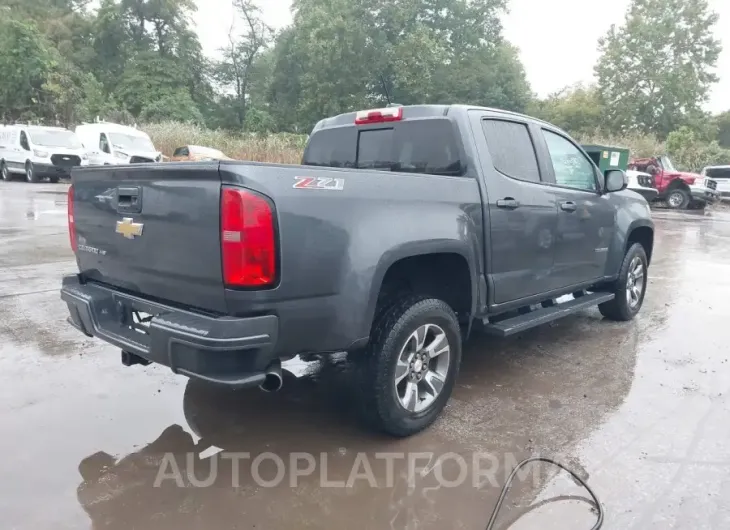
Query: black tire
point(30, 174)
point(54, 180)
point(7, 175)
point(391, 330)
point(678, 199)
point(620, 309)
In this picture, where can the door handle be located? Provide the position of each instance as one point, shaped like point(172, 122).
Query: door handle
point(568, 206)
point(508, 203)
point(129, 200)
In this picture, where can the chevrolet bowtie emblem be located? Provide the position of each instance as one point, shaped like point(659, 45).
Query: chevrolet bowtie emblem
point(128, 228)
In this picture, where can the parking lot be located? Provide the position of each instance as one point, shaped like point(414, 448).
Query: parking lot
point(641, 410)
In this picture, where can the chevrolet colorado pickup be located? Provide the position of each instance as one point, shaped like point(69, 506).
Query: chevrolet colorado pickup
point(402, 228)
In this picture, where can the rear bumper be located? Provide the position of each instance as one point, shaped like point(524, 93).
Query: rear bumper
point(229, 351)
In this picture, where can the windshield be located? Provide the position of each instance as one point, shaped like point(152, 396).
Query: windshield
point(50, 138)
point(130, 142)
point(667, 164)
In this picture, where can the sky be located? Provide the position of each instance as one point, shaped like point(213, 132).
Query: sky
point(557, 47)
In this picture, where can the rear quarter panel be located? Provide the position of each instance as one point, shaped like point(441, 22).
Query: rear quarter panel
point(336, 246)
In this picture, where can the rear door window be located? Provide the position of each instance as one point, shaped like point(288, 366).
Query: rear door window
point(416, 146)
point(512, 150)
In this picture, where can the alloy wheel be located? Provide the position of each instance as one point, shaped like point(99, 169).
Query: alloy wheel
point(635, 282)
point(422, 368)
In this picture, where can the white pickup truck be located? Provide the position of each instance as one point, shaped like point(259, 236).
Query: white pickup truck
point(721, 175)
point(643, 184)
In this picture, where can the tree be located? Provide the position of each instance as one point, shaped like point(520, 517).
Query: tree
point(26, 63)
point(338, 53)
point(235, 70)
point(176, 105)
point(656, 69)
point(722, 121)
point(576, 109)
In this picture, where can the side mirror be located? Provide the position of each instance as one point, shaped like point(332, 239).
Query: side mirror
point(616, 180)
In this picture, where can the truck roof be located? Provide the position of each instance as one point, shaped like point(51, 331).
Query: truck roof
point(422, 111)
point(112, 127)
point(35, 127)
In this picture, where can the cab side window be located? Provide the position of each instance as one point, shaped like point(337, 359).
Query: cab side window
point(572, 168)
point(24, 141)
point(104, 144)
point(510, 146)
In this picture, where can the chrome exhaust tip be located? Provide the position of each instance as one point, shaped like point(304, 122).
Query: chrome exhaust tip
point(274, 380)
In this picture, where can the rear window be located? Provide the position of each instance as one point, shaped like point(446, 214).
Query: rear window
point(417, 146)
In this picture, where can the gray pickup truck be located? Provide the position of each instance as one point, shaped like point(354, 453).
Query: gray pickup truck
point(402, 228)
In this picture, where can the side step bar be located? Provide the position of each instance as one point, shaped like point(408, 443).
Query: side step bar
point(538, 317)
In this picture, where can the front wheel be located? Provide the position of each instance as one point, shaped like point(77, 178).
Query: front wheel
point(5, 172)
point(30, 174)
point(678, 199)
point(630, 287)
point(409, 368)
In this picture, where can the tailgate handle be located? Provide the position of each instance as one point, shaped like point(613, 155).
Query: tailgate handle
point(129, 200)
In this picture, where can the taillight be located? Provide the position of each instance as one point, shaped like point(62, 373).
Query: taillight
point(248, 241)
point(71, 220)
point(379, 115)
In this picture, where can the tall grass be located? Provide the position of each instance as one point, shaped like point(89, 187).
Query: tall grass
point(282, 148)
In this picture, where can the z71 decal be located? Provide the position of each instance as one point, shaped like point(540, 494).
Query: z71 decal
point(315, 183)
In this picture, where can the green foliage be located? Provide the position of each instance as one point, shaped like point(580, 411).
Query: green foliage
point(692, 153)
point(337, 54)
point(577, 109)
point(656, 70)
point(722, 122)
point(172, 106)
point(25, 63)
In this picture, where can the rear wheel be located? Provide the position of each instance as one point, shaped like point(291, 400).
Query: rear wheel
point(30, 174)
point(408, 370)
point(7, 176)
point(630, 287)
point(678, 199)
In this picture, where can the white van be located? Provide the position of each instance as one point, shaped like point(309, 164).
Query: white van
point(39, 152)
point(110, 143)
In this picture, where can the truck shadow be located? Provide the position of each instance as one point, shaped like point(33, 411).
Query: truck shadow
point(540, 393)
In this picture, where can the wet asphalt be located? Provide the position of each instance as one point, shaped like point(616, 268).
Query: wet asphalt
point(641, 410)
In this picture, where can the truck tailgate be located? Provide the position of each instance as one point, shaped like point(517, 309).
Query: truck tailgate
point(152, 229)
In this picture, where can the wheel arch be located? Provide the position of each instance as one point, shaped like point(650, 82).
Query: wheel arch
point(678, 183)
point(441, 256)
point(643, 234)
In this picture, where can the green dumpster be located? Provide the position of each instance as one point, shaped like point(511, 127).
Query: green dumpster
point(608, 157)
